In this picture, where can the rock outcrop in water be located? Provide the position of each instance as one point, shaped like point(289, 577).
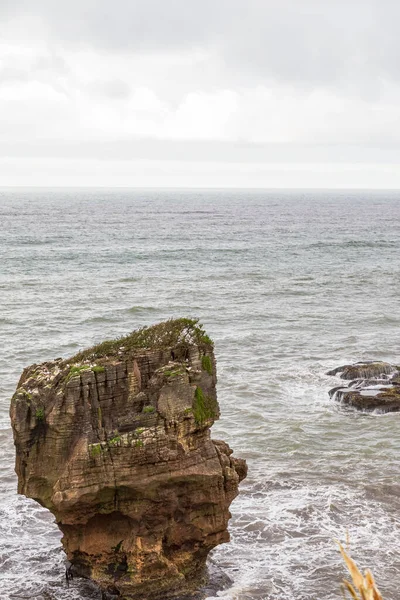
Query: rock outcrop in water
point(371, 386)
point(115, 442)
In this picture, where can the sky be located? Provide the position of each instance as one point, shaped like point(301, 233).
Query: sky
point(200, 93)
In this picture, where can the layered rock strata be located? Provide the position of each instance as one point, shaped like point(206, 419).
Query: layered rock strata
point(115, 442)
point(373, 385)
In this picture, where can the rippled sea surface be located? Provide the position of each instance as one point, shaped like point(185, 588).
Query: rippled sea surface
point(288, 285)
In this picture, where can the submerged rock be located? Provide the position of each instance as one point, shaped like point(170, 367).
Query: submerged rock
point(372, 386)
point(115, 442)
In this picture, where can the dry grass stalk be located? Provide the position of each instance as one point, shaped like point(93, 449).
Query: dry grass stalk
point(363, 587)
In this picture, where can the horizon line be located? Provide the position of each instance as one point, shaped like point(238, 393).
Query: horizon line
point(195, 188)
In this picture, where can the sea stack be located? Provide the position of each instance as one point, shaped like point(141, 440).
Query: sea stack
point(115, 442)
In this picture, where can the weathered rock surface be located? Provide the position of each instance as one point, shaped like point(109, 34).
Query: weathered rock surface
point(115, 442)
point(371, 386)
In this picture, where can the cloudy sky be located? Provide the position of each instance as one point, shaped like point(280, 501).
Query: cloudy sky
point(210, 93)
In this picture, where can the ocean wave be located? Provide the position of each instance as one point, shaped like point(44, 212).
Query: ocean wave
point(344, 244)
point(142, 309)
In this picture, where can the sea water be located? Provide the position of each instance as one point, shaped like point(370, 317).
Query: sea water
point(288, 285)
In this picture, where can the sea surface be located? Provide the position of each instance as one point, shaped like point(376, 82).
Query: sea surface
point(289, 285)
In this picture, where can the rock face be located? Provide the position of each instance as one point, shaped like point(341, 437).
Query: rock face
point(115, 442)
point(371, 386)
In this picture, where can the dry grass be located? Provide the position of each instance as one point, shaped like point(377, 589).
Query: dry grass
point(363, 587)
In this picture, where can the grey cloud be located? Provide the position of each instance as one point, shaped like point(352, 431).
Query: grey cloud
point(351, 46)
point(205, 151)
point(115, 89)
point(299, 41)
point(51, 63)
point(10, 74)
point(49, 69)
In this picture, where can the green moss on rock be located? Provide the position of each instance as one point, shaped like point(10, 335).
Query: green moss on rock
point(115, 440)
point(22, 392)
point(174, 372)
point(95, 450)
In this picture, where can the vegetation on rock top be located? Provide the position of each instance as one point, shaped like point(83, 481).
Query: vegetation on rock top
point(168, 334)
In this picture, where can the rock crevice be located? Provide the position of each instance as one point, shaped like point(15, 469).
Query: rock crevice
point(115, 442)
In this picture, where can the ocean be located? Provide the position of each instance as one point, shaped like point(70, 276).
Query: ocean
point(288, 285)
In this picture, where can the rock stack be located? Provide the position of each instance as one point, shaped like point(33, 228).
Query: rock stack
point(115, 442)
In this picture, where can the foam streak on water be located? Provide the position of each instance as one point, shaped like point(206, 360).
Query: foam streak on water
point(289, 285)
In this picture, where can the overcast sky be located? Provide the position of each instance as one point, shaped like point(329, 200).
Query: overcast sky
point(210, 93)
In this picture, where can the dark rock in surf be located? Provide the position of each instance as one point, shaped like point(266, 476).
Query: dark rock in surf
point(364, 370)
point(372, 385)
point(385, 399)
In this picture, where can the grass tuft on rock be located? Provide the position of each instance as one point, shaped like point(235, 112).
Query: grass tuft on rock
point(77, 370)
point(207, 364)
point(204, 407)
point(39, 414)
point(181, 332)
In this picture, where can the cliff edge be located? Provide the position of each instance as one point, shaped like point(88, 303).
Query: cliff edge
point(115, 442)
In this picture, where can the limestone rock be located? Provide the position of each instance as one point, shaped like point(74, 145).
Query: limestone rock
point(115, 442)
point(371, 386)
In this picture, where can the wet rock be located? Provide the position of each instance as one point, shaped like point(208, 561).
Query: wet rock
point(372, 386)
point(217, 582)
point(384, 399)
point(115, 442)
point(364, 370)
